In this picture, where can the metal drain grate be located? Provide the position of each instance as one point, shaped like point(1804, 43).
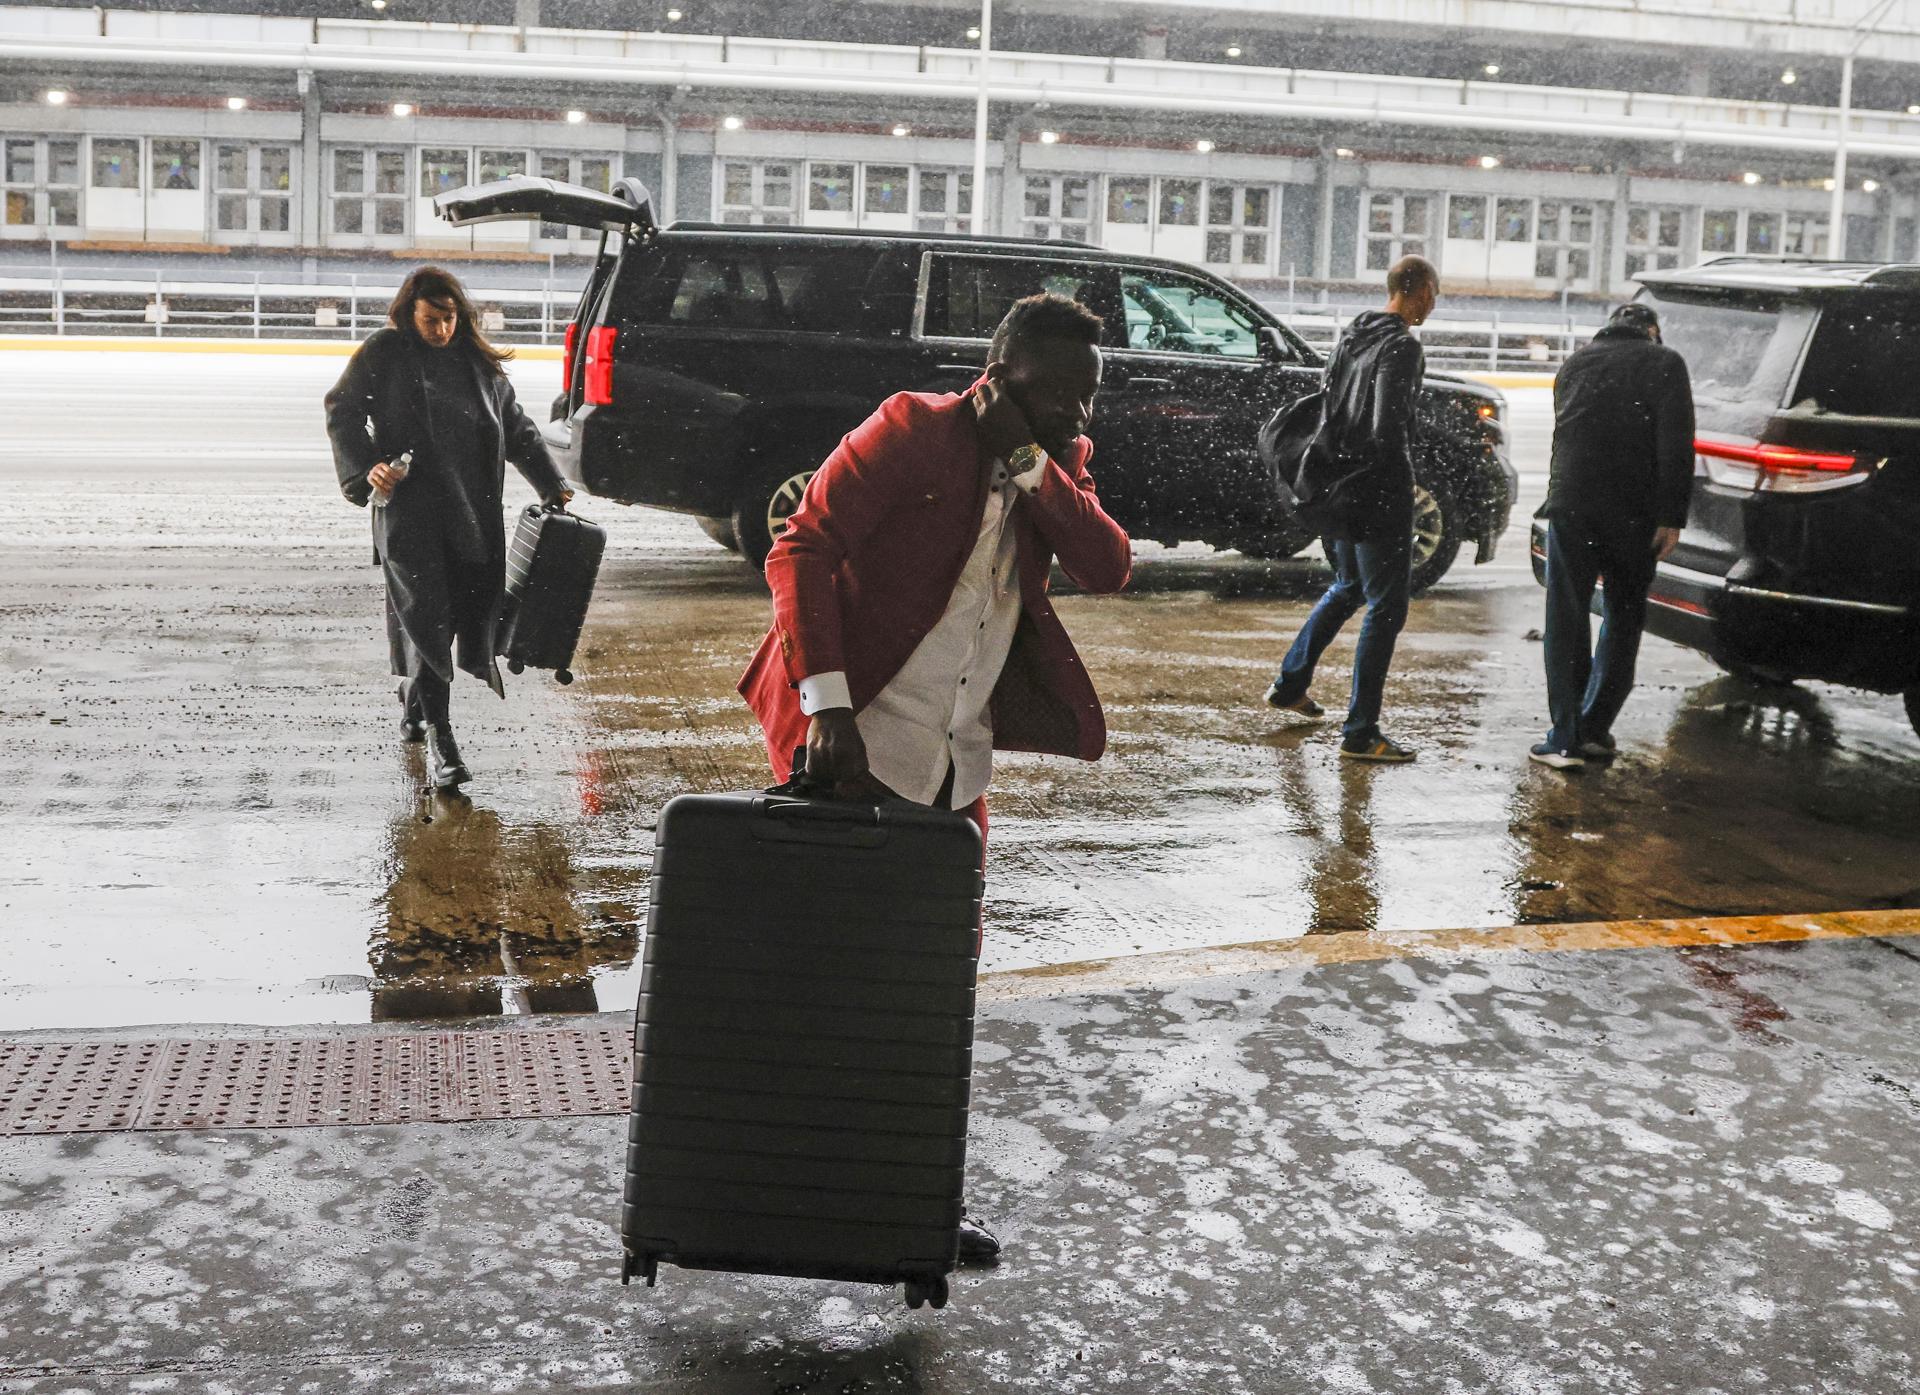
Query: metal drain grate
point(421, 1077)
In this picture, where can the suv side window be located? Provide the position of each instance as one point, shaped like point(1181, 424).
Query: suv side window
point(966, 296)
point(808, 291)
point(1862, 359)
point(1173, 314)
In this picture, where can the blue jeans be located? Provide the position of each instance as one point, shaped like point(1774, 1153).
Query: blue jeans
point(1586, 687)
point(1378, 574)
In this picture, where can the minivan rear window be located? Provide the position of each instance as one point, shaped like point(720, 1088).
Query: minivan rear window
point(1864, 360)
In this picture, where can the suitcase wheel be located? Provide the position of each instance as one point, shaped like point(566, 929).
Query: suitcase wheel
point(515, 666)
point(646, 1266)
point(564, 675)
point(932, 1292)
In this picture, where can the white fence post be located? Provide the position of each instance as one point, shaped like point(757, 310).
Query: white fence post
point(1493, 345)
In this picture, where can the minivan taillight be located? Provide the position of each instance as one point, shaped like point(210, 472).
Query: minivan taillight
point(599, 368)
point(566, 357)
point(1778, 469)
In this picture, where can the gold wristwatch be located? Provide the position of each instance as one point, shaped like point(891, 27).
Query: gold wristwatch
point(1024, 459)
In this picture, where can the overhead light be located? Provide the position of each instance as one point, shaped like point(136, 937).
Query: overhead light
point(1789, 77)
point(574, 118)
point(236, 104)
point(1489, 162)
point(378, 4)
point(1342, 153)
point(1049, 137)
point(1491, 70)
point(1233, 50)
point(1205, 147)
point(403, 108)
point(1914, 109)
point(674, 16)
point(1749, 178)
point(56, 97)
point(1827, 184)
point(903, 130)
point(1872, 186)
point(733, 123)
point(973, 32)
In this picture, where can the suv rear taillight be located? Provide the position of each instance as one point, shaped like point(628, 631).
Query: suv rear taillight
point(1778, 469)
point(599, 368)
point(566, 357)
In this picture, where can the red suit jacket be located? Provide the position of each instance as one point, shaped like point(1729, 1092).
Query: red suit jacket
point(868, 562)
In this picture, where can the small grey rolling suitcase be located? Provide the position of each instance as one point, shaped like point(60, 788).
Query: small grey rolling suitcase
point(803, 1046)
point(552, 563)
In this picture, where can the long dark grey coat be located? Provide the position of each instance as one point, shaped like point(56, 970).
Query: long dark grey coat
point(378, 410)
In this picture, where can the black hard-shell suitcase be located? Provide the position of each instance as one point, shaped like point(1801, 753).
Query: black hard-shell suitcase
point(551, 566)
point(803, 1046)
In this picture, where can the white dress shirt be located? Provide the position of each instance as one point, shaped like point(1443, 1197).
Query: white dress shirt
point(936, 711)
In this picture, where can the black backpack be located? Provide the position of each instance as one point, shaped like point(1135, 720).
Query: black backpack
point(1294, 446)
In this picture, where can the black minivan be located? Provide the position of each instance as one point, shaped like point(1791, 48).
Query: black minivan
point(711, 368)
point(1801, 555)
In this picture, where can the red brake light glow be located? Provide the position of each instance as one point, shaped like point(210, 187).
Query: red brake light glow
point(599, 370)
point(566, 356)
point(1775, 457)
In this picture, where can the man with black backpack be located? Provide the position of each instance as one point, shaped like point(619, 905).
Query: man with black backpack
point(1354, 484)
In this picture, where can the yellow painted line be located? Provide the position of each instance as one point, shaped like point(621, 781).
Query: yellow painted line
point(310, 348)
point(1513, 380)
point(1318, 951)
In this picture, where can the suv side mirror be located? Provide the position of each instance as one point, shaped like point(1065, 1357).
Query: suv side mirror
point(1273, 347)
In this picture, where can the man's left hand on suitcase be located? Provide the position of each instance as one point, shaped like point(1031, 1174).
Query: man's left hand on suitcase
point(560, 500)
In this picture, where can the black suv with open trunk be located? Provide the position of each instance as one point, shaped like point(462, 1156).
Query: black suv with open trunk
point(1801, 555)
point(711, 368)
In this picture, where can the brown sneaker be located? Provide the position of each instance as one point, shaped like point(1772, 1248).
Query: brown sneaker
point(1302, 706)
point(1379, 749)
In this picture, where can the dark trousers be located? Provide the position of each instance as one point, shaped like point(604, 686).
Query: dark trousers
point(1586, 687)
point(1378, 574)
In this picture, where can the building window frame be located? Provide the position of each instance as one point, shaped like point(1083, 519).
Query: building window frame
point(1053, 216)
point(1404, 229)
point(35, 202)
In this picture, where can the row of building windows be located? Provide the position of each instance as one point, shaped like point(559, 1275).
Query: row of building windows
point(381, 195)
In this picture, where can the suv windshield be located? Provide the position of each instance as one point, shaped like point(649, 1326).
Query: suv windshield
point(1863, 360)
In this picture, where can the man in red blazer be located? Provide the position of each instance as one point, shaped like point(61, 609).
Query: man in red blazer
point(912, 635)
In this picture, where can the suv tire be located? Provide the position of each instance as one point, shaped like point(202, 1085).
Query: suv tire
point(1436, 534)
point(771, 493)
point(720, 530)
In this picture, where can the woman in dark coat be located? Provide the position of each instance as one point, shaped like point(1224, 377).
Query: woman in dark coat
point(430, 383)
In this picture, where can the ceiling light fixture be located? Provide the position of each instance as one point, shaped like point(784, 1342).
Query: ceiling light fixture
point(1914, 109)
point(733, 123)
point(378, 4)
point(903, 130)
point(675, 16)
point(403, 108)
point(1491, 70)
point(574, 118)
point(1789, 77)
point(236, 104)
point(1233, 50)
point(1872, 186)
point(973, 32)
point(1342, 153)
point(1489, 162)
point(1205, 147)
point(1827, 184)
point(56, 97)
point(1049, 137)
point(1749, 178)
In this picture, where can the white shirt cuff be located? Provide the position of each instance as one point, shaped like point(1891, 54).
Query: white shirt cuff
point(1029, 479)
point(822, 691)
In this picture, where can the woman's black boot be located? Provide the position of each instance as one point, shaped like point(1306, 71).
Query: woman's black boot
point(449, 771)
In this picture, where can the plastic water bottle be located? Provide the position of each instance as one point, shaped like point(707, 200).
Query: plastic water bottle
point(383, 497)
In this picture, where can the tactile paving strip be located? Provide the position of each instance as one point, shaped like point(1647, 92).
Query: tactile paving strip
point(419, 1077)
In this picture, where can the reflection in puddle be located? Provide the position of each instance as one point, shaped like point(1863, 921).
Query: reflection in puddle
point(483, 918)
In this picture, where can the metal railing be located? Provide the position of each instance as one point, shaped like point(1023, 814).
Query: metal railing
point(78, 305)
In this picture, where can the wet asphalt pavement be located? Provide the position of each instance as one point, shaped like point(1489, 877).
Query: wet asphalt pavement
point(211, 820)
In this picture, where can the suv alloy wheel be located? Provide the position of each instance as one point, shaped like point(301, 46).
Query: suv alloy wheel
point(772, 493)
point(1436, 535)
